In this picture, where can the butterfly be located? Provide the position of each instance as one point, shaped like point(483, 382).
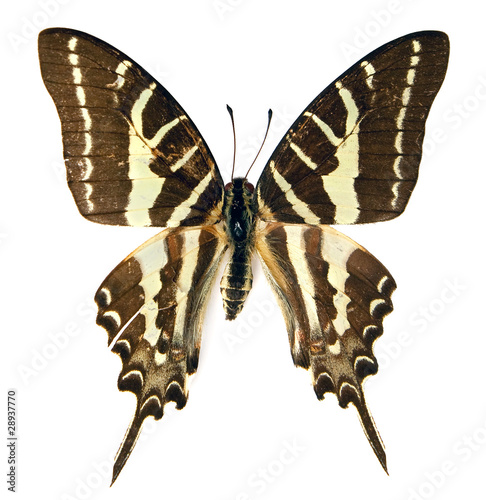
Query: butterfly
point(135, 158)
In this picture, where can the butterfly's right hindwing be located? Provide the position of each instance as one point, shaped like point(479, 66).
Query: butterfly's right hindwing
point(133, 156)
point(334, 296)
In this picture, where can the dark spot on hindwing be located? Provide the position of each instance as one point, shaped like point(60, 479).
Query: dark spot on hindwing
point(163, 344)
point(365, 366)
point(174, 393)
point(323, 384)
point(347, 394)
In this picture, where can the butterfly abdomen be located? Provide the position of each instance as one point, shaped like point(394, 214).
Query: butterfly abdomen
point(236, 283)
point(237, 278)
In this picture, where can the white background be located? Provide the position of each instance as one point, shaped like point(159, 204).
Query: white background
point(248, 404)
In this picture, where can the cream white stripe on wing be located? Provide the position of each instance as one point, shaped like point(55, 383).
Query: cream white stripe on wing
point(143, 195)
point(370, 71)
point(333, 139)
point(182, 161)
point(184, 209)
point(145, 184)
point(120, 71)
point(72, 43)
point(335, 250)
point(88, 144)
point(351, 108)
point(335, 348)
point(410, 77)
point(339, 184)
point(151, 258)
point(73, 59)
point(80, 92)
point(137, 112)
point(190, 251)
point(303, 156)
point(298, 206)
point(295, 239)
point(81, 97)
point(88, 168)
point(86, 118)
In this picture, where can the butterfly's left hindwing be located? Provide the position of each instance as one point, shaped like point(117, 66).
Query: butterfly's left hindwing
point(152, 306)
point(133, 156)
point(334, 296)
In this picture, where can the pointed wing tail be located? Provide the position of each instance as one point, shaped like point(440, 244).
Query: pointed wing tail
point(152, 306)
point(371, 432)
point(128, 443)
point(334, 296)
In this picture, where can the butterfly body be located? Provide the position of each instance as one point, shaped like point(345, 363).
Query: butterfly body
point(135, 158)
point(238, 212)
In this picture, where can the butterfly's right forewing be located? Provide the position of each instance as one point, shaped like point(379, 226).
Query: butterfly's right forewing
point(352, 156)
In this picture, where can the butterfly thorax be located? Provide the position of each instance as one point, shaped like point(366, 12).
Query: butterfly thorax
point(239, 225)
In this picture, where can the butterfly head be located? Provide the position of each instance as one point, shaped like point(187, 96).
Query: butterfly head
point(239, 184)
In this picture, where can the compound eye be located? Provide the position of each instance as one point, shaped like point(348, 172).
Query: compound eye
point(228, 186)
point(250, 187)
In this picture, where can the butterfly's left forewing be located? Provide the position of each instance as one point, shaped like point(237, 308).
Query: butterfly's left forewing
point(133, 156)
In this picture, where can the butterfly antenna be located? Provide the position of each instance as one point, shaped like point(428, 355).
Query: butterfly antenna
point(270, 114)
point(230, 111)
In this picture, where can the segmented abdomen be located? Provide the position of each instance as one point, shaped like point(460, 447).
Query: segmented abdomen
point(236, 281)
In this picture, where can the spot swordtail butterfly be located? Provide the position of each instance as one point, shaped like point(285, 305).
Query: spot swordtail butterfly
point(135, 158)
